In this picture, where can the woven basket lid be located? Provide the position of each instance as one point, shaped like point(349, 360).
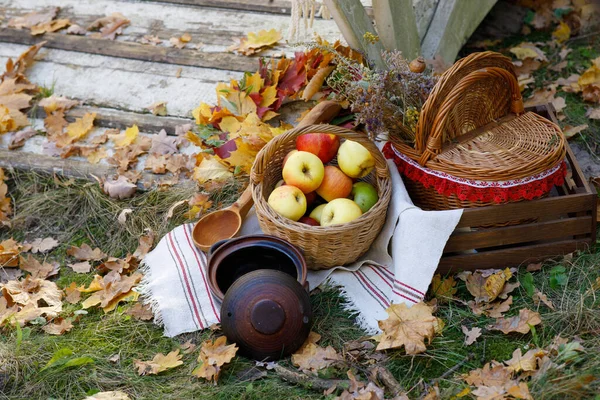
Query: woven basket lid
point(267, 313)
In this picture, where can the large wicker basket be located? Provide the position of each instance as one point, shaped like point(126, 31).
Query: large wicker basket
point(475, 145)
point(323, 247)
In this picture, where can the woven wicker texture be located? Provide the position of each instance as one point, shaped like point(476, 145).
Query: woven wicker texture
point(472, 126)
point(323, 247)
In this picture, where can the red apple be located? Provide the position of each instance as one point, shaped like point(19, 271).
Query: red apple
point(287, 156)
point(323, 145)
point(303, 170)
point(335, 184)
point(309, 221)
point(310, 198)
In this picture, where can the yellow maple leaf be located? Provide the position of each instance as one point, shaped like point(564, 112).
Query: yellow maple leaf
point(202, 113)
point(7, 123)
point(408, 327)
point(78, 129)
point(126, 138)
point(562, 33)
point(269, 95)
point(242, 157)
point(311, 358)
point(528, 50)
point(230, 125)
point(254, 82)
point(95, 156)
point(443, 289)
point(211, 169)
point(263, 38)
point(591, 76)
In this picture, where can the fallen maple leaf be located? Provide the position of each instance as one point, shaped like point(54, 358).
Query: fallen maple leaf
point(51, 26)
point(593, 113)
point(163, 144)
point(562, 33)
point(53, 103)
point(571, 131)
point(485, 288)
point(443, 289)
point(408, 327)
point(43, 245)
point(521, 323)
point(75, 29)
point(311, 358)
point(158, 108)
point(109, 26)
point(5, 212)
point(528, 50)
point(126, 138)
point(119, 188)
point(145, 244)
point(86, 253)
point(18, 138)
point(211, 169)
point(37, 269)
point(526, 362)
point(112, 395)
point(78, 129)
point(81, 267)
point(142, 312)
point(58, 326)
point(256, 42)
point(213, 355)
point(33, 18)
point(73, 295)
point(9, 253)
point(159, 363)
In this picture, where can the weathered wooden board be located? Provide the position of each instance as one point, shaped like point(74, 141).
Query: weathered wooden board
point(132, 50)
point(215, 28)
point(122, 83)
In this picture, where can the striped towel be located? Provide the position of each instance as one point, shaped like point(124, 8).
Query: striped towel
point(176, 286)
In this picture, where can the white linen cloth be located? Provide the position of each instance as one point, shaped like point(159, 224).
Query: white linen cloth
point(397, 269)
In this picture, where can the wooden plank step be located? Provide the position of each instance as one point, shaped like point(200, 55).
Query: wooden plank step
point(125, 84)
point(267, 6)
point(131, 50)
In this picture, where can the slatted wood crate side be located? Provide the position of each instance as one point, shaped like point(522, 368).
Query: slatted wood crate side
point(562, 223)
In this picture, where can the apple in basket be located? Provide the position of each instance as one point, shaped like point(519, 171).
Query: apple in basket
point(354, 159)
point(365, 195)
point(287, 156)
point(335, 184)
point(340, 211)
point(323, 145)
point(288, 201)
point(303, 170)
point(317, 212)
point(309, 221)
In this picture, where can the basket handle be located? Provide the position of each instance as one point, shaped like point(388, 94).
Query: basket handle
point(263, 156)
point(435, 140)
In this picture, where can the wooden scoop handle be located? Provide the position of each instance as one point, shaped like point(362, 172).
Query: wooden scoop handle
point(244, 203)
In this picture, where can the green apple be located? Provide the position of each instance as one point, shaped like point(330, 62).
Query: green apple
point(354, 159)
point(340, 211)
point(317, 212)
point(288, 201)
point(365, 195)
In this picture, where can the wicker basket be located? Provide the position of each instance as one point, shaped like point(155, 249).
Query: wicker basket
point(323, 247)
point(473, 132)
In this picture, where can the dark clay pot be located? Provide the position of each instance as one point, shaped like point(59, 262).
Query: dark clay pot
point(228, 260)
point(267, 313)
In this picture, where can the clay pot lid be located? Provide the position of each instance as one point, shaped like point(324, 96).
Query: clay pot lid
point(267, 313)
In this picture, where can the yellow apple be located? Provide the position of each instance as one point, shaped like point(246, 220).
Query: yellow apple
point(303, 170)
point(288, 201)
point(354, 159)
point(317, 212)
point(340, 211)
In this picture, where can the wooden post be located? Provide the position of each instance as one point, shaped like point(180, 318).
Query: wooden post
point(454, 21)
point(397, 26)
point(353, 21)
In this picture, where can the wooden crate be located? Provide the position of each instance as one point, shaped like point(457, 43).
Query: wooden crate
point(563, 222)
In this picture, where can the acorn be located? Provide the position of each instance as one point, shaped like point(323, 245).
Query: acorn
point(417, 65)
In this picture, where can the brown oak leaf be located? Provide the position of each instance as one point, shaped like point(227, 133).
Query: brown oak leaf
point(471, 335)
point(58, 326)
point(33, 18)
point(73, 293)
point(140, 311)
point(311, 358)
point(524, 362)
point(43, 245)
point(112, 289)
point(213, 355)
point(82, 267)
point(157, 164)
point(37, 269)
point(109, 26)
point(164, 144)
point(119, 188)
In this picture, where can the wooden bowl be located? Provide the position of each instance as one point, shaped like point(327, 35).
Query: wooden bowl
point(267, 313)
